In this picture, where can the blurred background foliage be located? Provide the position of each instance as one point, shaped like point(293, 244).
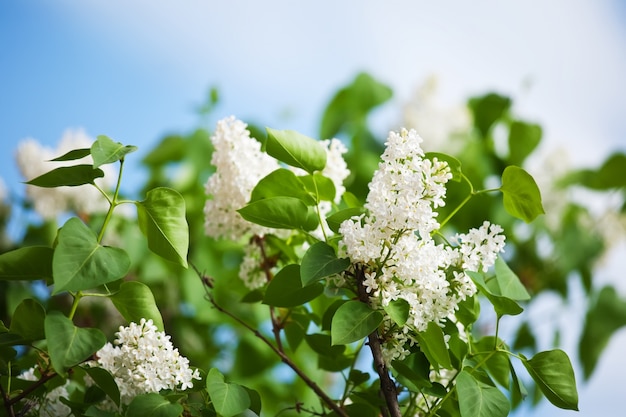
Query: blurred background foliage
point(555, 254)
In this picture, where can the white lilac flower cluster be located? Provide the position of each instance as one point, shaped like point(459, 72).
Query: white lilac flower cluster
point(393, 245)
point(144, 360)
point(50, 405)
point(239, 166)
point(33, 160)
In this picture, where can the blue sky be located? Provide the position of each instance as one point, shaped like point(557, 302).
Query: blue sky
point(136, 70)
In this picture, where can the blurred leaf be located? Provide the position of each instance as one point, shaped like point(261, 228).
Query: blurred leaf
point(228, 399)
point(487, 110)
point(67, 176)
point(523, 139)
point(612, 174)
point(105, 151)
point(295, 149)
point(606, 314)
point(73, 155)
point(69, 345)
point(469, 310)
point(433, 344)
point(286, 289)
point(354, 321)
point(27, 263)
point(28, 320)
point(320, 261)
point(276, 212)
point(521, 195)
point(135, 301)
point(353, 103)
point(171, 148)
point(79, 262)
point(153, 405)
point(161, 218)
point(281, 183)
point(552, 372)
point(477, 399)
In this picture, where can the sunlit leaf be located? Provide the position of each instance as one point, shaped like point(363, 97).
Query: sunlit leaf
point(354, 321)
point(135, 301)
point(296, 149)
point(105, 151)
point(398, 311)
point(69, 345)
point(161, 218)
point(507, 284)
point(553, 373)
point(433, 344)
point(335, 219)
point(521, 195)
point(320, 261)
point(67, 176)
point(320, 186)
point(502, 305)
point(281, 183)
point(79, 262)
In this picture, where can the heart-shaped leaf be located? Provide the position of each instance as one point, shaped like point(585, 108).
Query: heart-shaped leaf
point(521, 195)
point(353, 321)
point(28, 320)
point(153, 405)
point(135, 301)
point(295, 149)
point(276, 212)
point(228, 399)
point(477, 399)
point(105, 151)
point(320, 261)
point(161, 217)
point(79, 262)
point(553, 373)
point(69, 345)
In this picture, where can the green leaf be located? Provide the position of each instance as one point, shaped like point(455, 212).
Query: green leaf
point(415, 368)
point(433, 345)
point(398, 310)
point(296, 149)
point(228, 399)
point(69, 345)
point(320, 261)
point(523, 139)
point(286, 289)
point(353, 321)
point(134, 300)
point(161, 218)
point(28, 320)
point(606, 314)
point(469, 310)
point(153, 405)
point(28, 263)
point(73, 155)
point(321, 344)
point(477, 399)
point(67, 176)
point(79, 262)
point(487, 110)
point(552, 372)
point(281, 183)
point(105, 381)
point(453, 163)
point(502, 305)
point(320, 186)
point(496, 362)
point(105, 151)
point(507, 284)
point(276, 212)
point(521, 195)
point(335, 219)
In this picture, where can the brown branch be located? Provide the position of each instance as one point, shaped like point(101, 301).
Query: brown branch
point(284, 358)
point(387, 386)
point(7, 402)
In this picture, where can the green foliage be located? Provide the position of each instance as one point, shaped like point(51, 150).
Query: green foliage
point(520, 194)
point(553, 374)
point(228, 399)
point(27, 263)
point(320, 261)
point(105, 151)
point(153, 405)
point(68, 176)
point(135, 301)
point(295, 149)
point(477, 399)
point(353, 321)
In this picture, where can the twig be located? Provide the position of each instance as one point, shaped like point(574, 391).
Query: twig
point(7, 402)
point(387, 386)
point(284, 358)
